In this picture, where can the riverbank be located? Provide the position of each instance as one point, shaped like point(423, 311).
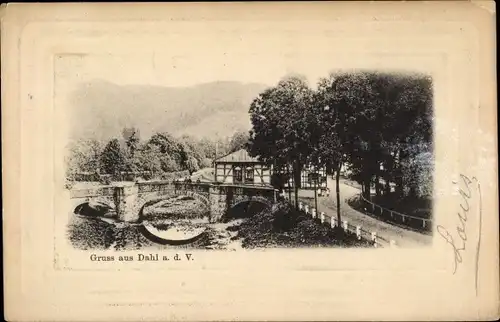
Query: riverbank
point(96, 234)
point(283, 226)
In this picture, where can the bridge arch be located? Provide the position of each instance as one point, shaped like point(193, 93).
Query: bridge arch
point(93, 207)
point(246, 206)
point(263, 200)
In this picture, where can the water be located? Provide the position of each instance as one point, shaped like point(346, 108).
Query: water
point(179, 222)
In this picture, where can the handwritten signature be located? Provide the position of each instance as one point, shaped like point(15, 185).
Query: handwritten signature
point(461, 229)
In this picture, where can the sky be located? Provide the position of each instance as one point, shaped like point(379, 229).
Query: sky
point(158, 68)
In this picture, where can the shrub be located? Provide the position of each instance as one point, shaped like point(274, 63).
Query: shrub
point(285, 217)
point(312, 231)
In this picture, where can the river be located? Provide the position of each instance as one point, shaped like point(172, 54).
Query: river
point(178, 222)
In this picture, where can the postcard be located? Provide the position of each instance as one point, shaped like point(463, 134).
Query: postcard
point(250, 161)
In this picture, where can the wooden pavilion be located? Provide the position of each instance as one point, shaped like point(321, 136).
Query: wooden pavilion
point(241, 168)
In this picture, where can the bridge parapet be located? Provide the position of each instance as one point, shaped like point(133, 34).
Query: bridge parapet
point(262, 191)
point(154, 187)
point(100, 191)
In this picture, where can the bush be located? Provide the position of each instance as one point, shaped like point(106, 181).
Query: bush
point(312, 231)
point(285, 217)
point(283, 226)
point(90, 234)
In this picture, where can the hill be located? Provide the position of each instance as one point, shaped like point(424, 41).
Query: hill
point(102, 109)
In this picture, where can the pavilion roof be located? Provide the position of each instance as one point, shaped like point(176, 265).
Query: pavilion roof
point(240, 156)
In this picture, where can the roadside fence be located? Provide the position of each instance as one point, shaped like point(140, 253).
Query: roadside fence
point(361, 233)
point(396, 217)
point(373, 209)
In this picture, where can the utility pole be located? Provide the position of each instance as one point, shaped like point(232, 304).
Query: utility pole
point(315, 175)
point(215, 158)
point(316, 194)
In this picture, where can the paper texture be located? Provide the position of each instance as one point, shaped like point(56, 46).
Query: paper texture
point(72, 70)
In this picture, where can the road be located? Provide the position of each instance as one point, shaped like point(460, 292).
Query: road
point(403, 237)
point(205, 175)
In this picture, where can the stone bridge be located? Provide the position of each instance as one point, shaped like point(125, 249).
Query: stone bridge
point(129, 199)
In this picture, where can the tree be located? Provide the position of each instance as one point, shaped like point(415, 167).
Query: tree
point(191, 147)
point(330, 125)
point(377, 117)
point(172, 151)
point(358, 97)
point(168, 164)
point(280, 133)
point(417, 137)
point(83, 156)
point(132, 139)
point(407, 126)
point(160, 154)
point(192, 165)
point(166, 143)
point(265, 135)
point(238, 141)
point(113, 158)
point(207, 148)
point(279, 178)
point(417, 172)
point(148, 158)
point(205, 163)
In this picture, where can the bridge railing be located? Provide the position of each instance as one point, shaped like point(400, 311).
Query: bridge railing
point(200, 187)
point(91, 192)
point(154, 186)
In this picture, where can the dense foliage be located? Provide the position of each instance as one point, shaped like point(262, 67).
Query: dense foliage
point(378, 125)
point(282, 226)
point(162, 153)
point(281, 133)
